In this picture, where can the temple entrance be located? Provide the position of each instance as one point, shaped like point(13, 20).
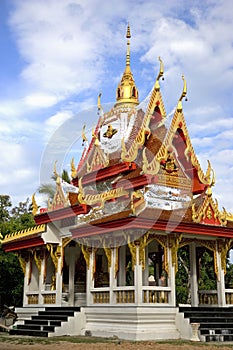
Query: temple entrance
point(74, 276)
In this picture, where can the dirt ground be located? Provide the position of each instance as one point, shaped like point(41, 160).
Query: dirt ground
point(11, 343)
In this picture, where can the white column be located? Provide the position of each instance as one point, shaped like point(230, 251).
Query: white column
point(90, 279)
point(41, 280)
point(220, 282)
point(112, 279)
point(193, 272)
point(145, 273)
point(71, 275)
point(26, 285)
point(59, 280)
point(171, 278)
point(138, 279)
point(122, 267)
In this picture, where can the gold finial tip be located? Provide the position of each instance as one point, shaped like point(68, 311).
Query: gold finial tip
point(128, 35)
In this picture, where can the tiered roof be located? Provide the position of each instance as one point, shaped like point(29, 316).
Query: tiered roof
point(139, 172)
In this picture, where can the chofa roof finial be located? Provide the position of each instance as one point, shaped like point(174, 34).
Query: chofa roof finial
point(183, 94)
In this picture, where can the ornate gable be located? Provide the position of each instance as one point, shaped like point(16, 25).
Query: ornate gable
point(208, 213)
point(155, 115)
point(59, 200)
point(177, 146)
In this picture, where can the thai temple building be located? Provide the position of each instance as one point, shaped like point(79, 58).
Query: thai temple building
point(103, 255)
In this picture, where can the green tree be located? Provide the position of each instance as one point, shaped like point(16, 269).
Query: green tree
point(183, 276)
point(11, 275)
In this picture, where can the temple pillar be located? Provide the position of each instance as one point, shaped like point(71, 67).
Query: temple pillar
point(42, 279)
point(220, 281)
point(171, 277)
point(26, 282)
point(193, 272)
point(122, 265)
point(112, 278)
point(145, 273)
point(59, 276)
point(90, 253)
point(138, 277)
point(71, 275)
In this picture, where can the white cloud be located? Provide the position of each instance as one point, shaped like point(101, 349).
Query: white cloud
point(38, 100)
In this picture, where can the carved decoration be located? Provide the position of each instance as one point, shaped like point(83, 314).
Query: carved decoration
point(24, 233)
point(38, 260)
point(163, 241)
point(59, 199)
point(174, 241)
point(100, 198)
point(108, 252)
point(23, 262)
point(178, 122)
point(99, 159)
point(209, 212)
point(223, 248)
point(141, 243)
point(55, 254)
point(110, 132)
point(86, 253)
point(139, 202)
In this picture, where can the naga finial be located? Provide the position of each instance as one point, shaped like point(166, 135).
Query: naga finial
point(84, 138)
point(161, 71)
point(184, 93)
point(99, 101)
point(56, 175)
point(73, 169)
point(34, 205)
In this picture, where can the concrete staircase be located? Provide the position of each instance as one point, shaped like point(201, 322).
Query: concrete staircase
point(216, 323)
point(53, 321)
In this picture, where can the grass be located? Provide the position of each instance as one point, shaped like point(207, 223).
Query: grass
point(26, 340)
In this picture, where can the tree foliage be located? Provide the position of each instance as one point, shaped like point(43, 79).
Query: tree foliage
point(11, 275)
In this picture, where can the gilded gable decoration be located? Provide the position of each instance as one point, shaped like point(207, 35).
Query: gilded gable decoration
point(208, 212)
point(99, 159)
point(59, 199)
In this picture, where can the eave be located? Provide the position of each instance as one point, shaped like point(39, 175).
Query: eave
point(148, 224)
point(107, 172)
point(23, 244)
point(62, 213)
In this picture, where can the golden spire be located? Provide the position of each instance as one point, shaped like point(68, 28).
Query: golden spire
point(127, 92)
point(184, 93)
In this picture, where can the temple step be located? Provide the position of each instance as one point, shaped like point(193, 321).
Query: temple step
point(44, 324)
point(216, 323)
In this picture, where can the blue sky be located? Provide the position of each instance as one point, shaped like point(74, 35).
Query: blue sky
point(56, 56)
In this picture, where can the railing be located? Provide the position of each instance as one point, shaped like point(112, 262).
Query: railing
point(125, 295)
point(156, 294)
point(33, 298)
point(49, 297)
point(208, 297)
point(101, 296)
point(229, 296)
